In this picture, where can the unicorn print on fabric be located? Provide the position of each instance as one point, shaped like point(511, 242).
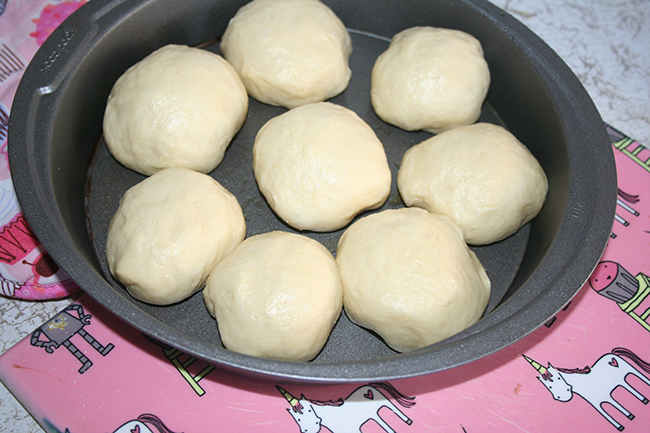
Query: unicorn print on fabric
point(596, 383)
point(630, 218)
point(146, 423)
point(349, 414)
point(625, 207)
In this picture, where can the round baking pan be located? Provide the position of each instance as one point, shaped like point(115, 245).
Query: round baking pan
point(69, 185)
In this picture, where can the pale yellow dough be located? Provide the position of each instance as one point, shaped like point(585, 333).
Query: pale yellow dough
point(168, 233)
point(278, 296)
point(178, 107)
point(408, 275)
point(319, 165)
point(431, 79)
point(289, 52)
point(480, 176)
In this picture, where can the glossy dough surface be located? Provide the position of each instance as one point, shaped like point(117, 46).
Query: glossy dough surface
point(168, 233)
point(480, 176)
point(278, 296)
point(178, 107)
point(430, 78)
point(409, 276)
point(289, 52)
point(319, 165)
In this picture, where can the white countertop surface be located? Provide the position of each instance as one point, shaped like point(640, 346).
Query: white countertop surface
point(605, 42)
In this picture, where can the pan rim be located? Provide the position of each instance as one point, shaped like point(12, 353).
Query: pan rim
point(26, 130)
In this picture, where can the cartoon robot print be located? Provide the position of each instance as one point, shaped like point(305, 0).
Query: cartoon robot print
point(59, 330)
point(349, 414)
point(596, 384)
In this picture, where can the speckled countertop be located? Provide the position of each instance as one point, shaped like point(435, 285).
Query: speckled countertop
point(605, 42)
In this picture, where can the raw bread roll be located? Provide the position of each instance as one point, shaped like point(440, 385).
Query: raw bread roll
point(430, 78)
point(319, 165)
point(408, 275)
point(289, 52)
point(178, 107)
point(168, 233)
point(480, 176)
point(278, 296)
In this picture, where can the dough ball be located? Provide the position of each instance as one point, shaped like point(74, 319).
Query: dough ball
point(319, 165)
point(178, 107)
point(408, 275)
point(168, 233)
point(430, 78)
point(278, 296)
point(289, 52)
point(480, 176)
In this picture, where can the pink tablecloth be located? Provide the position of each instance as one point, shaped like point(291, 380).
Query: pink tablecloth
point(586, 370)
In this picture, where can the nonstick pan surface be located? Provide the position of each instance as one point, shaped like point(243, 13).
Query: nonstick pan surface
point(69, 185)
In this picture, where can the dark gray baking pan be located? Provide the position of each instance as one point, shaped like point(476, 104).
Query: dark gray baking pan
point(69, 185)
